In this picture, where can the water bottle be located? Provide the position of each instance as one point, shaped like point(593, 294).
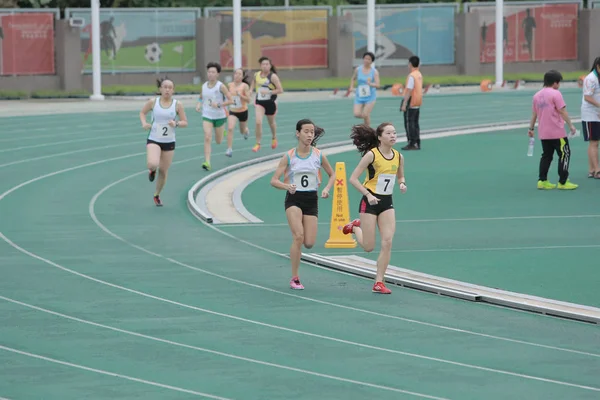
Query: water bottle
point(530, 148)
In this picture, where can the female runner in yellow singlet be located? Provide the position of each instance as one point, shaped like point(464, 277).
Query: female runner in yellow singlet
point(384, 166)
point(268, 86)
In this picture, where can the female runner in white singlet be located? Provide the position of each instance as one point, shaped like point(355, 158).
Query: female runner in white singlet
point(213, 102)
point(160, 144)
point(302, 168)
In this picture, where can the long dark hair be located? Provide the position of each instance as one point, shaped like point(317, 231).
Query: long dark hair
point(365, 138)
point(595, 64)
point(319, 132)
point(260, 60)
point(245, 77)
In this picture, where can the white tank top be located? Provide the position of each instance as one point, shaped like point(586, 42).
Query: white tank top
point(305, 173)
point(161, 132)
point(211, 96)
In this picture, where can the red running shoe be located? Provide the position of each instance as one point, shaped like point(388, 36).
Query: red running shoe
point(379, 287)
point(349, 228)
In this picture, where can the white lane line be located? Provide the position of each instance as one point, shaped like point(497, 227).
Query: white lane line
point(113, 374)
point(218, 353)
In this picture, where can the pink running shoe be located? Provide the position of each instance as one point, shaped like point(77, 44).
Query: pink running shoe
point(295, 283)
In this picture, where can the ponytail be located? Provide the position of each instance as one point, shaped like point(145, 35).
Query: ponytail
point(319, 132)
point(365, 138)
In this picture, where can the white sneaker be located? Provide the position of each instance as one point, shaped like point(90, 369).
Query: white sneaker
point(229, 152)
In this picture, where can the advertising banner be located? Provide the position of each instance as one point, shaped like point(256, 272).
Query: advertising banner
point(291, 38)
point(27, 44)
point(404, 31)
point(141, 40)
point(531, 32)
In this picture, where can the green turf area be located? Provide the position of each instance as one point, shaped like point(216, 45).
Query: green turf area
point(288, 84)
point(133, 59)
point(478, 219)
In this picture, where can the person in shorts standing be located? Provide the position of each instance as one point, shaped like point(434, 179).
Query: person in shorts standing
point(590, 117)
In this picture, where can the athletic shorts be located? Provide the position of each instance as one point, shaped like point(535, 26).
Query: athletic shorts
point(385, 203)
point(163, 146)
point(269, 105)
point(591, 130)
point(242, 116)
point(216, 122)
point(308, 202)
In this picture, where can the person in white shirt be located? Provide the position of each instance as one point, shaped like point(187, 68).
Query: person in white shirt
point(212, 102)
point(590, 117)
point(167, 115)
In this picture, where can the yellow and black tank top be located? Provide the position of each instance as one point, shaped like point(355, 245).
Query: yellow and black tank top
point(381, 173)
point(264, 82)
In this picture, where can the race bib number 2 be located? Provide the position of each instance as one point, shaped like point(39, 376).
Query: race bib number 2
point(165, 131)
point(305, 181)
point(385, 184)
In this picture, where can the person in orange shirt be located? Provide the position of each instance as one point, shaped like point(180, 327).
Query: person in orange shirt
point(411, 104)
point(238, 111)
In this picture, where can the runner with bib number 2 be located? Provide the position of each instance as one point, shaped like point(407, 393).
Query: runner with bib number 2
point(301, 167)
point(384, 166)
point(160, 144)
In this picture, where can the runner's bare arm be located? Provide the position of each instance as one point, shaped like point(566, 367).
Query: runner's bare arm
point(183, 122)
point(145, 110)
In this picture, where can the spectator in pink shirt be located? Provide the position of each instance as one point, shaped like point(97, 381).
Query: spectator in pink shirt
point(549, 106)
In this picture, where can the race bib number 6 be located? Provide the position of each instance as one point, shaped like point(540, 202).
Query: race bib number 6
point(385, 184)
point(305, 181)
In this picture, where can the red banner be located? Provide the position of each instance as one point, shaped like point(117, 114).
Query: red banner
point(27, 44)
point(530, 32)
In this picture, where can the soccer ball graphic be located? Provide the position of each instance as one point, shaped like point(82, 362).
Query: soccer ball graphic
point(153, 53)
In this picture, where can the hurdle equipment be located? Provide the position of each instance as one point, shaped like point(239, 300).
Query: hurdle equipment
point(340, 212)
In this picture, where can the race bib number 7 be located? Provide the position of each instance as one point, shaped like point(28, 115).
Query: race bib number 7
point(385, 184)
point(165, 131)
point(305, 181)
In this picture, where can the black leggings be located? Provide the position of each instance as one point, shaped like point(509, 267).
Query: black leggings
point(562, 149)
point(411, 126)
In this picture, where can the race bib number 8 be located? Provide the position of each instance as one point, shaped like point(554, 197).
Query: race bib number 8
point(364, 91)
point(264, 96)
point(385, 184)
point(165, 131)
point(305, 181)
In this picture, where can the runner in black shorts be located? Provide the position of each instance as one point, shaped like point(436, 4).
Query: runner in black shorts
point(301, 168)
point(268, 86)
point(238, 111)
point(160, 143)
point(384, 166)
